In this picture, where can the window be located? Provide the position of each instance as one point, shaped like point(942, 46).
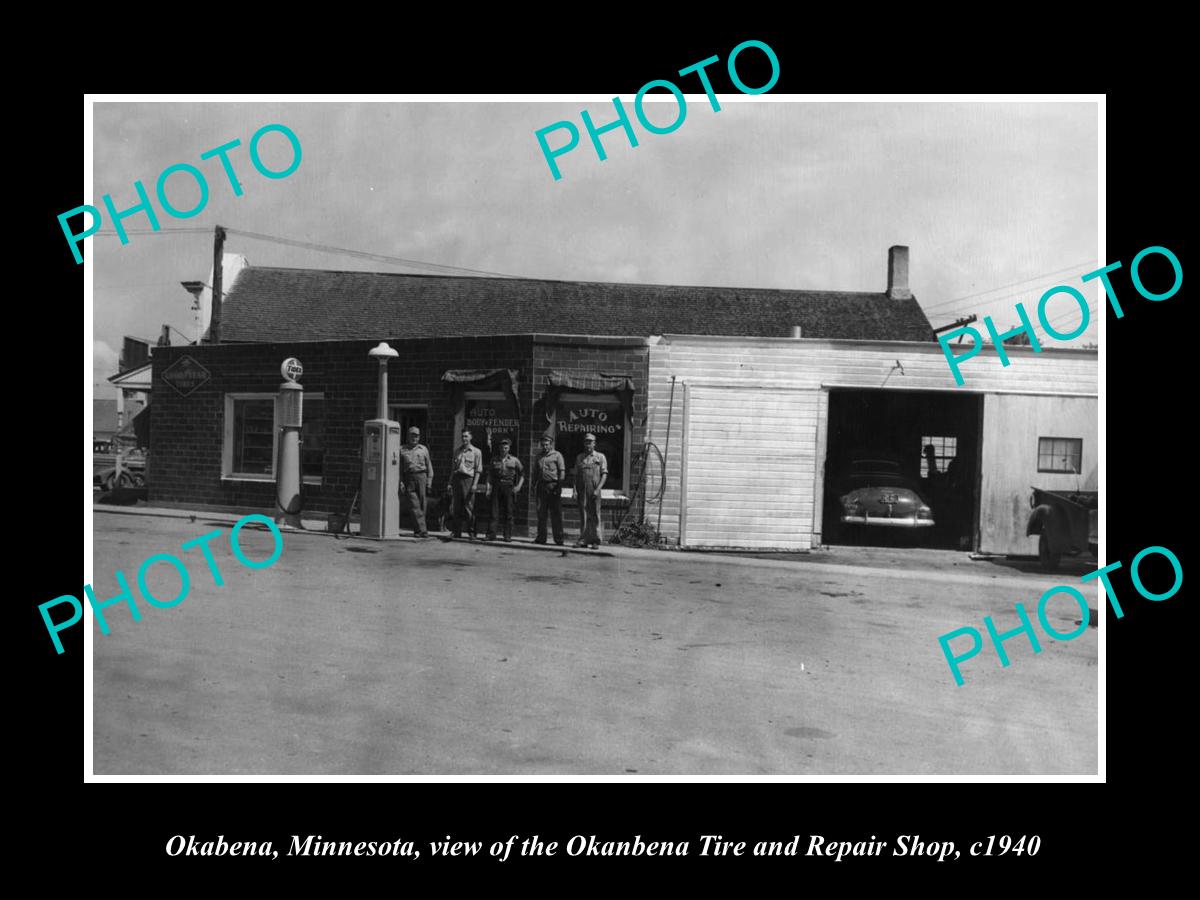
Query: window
point(489, 416)
point(604, 416)
point(312, 437)
point(1060, 454)
point(251, 439)
point(253, 435)
point(944, 450)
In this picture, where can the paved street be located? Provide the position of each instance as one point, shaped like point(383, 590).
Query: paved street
point(354, 657)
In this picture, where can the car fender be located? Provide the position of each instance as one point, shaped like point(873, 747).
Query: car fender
point(1038, 518)
point(1046, 518)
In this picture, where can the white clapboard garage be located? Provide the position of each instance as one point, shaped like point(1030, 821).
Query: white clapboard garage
point(749, 431)
point(748, 467)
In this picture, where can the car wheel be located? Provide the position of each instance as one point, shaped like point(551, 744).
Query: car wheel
point(1046, 557)
point(139, 479)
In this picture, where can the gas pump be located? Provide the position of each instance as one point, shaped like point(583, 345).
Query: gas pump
point(381, 462)
point(289, 406)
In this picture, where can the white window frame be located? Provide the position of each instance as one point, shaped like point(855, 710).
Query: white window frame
point(605, 493)
point(227, 473)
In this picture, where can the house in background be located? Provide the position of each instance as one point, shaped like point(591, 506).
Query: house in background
point(104, 421)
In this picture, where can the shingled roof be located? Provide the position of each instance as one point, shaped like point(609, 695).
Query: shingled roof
point(276, 304)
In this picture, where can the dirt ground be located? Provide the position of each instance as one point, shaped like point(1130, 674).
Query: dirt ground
point(357, 657)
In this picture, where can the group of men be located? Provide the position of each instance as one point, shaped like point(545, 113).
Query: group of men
point(503, 481)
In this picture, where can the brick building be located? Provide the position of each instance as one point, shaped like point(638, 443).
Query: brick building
point(503, 356)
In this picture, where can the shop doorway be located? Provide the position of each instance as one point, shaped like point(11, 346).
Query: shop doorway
point(926, 441)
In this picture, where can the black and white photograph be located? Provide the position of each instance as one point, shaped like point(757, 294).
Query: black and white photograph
point(731, 435)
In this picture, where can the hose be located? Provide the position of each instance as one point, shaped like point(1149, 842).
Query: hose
point(640, 488)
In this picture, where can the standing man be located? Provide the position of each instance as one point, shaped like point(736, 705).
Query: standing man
point(591, 471)
point(550, 474)
point(464, 475)
point(416, 477)
point(504, 482)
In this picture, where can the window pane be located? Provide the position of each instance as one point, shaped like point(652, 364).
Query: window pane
point(253, 436)
point(602, 416)
point(1060, 455)
point(312, 435)
point(944, 448)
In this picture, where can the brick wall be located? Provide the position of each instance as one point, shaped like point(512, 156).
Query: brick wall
point(612, 356)
point(187, 432)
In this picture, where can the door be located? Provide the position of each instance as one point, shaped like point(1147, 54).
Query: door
point(749, 467)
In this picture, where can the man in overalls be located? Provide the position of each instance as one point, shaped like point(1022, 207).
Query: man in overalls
point(591, 471)
point(464, 475)
point(549, 473)
point(416, 473)
point(504, 480)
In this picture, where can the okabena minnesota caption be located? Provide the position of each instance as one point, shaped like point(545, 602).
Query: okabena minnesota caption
point(310, 845)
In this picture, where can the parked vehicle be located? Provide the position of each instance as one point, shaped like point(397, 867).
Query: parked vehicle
point(874, 490)
point(1065, 523)
point(104, 471)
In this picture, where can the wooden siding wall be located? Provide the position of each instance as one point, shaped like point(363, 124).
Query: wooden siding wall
point(766, 363)
point(1012, 426)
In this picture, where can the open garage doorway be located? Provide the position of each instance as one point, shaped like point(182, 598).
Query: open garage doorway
point(884, 447)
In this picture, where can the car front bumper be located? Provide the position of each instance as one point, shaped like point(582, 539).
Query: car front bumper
point(903, 521)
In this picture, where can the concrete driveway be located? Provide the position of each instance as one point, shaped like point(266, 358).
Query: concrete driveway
point(356, 657)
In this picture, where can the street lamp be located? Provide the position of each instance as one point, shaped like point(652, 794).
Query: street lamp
point(383, 353)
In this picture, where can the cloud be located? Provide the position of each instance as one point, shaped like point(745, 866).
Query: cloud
point(104, 364)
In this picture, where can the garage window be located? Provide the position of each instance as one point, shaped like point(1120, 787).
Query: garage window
point(1057, 454)
point(944, 449)
point(251, 438)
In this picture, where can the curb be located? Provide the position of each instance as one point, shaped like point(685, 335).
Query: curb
point(610, 551)
point(318, 530)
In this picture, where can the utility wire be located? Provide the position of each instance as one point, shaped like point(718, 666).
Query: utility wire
point(361, 254)
point(980, 305)
point(322, 248)
point(1003, 286)
point(1072, 314)
point(107, 231)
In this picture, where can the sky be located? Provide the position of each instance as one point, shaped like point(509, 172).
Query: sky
point(997, 201)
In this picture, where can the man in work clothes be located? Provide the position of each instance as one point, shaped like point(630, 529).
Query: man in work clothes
point(464, 475)
point(504, 482)
point(416, 473)
point(591, 471)
point(549, 474)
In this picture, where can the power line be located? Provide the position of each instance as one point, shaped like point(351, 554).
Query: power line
point(362, 254)
point(1071, 315)
point(1003, 286)
point(321, 248)
point(986, 303)
point(156, 231)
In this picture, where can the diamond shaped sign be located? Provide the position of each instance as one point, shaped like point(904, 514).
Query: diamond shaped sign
point(185, 375)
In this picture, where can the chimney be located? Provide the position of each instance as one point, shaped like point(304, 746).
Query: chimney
point(897, 288)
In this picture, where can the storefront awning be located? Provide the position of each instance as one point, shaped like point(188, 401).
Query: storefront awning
point(506, 380)
point(589, 383)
